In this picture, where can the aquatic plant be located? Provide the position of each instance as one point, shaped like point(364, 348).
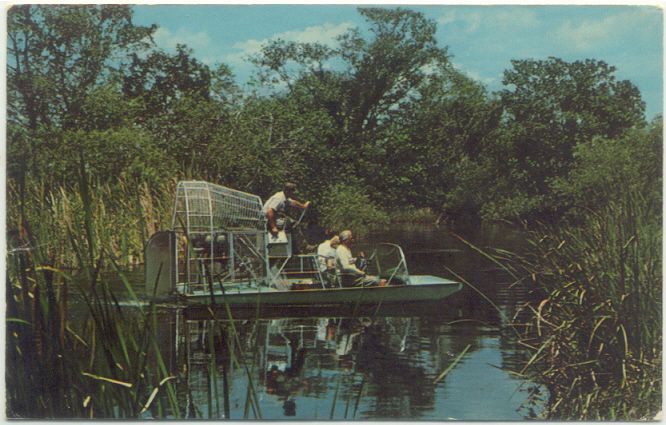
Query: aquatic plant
point(596, 332)
point(87, 363)
point(98, 361)
point(125, 215)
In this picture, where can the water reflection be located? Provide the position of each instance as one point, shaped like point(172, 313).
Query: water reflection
point(366, 365)
point(342, 368)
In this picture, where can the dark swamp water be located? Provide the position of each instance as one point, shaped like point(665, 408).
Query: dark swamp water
point(375, 367)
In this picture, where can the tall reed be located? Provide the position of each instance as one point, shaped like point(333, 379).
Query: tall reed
point(97, 362)
point(125, 215)
point(100, 361)
point(597, 329)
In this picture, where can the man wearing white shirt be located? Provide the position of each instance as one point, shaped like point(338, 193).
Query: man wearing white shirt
point(346, 264)
point(278, 203)
point(326, 254)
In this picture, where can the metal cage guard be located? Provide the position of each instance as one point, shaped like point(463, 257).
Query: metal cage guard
point(220, 236)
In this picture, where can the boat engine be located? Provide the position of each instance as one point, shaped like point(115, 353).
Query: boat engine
point(202, 243)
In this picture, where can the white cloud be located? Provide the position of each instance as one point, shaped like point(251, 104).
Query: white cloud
point(586, 35)
point(248, 47)
point(497, 17)
point(447, 18)
point(166, 39)
point(476, 75)
point(516, 17)
point(324, 34)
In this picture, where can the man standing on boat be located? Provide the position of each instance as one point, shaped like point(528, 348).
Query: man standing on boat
point(351, 275)
point(278, 203)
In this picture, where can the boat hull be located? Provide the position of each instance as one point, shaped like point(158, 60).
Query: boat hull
point(423, 288)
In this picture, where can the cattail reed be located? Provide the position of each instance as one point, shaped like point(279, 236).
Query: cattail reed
point(598, 320)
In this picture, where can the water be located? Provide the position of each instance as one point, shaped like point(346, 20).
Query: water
point(380, 367)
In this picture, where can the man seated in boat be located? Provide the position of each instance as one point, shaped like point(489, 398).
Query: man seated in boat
point(326, 255)
point(278, 203)
point(350, 275)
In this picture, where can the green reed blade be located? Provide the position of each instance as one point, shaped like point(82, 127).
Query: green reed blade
point(478, 291)
point(335, 397)
point(486, 255)
point(358, 396)
point(452, 365)
point(235, 337)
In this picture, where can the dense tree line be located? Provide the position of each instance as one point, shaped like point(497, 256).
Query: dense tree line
point(381, 117)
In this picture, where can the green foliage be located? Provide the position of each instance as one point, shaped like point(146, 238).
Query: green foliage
point(576, 100)
point(268, 142)
point(605, 170)
point(183, 106)
point(358, 85)
point(58, 54)
point(123, 217)
point(550, 107)
point(409, 215)
point(598, 329)
point(160, 78)
point(105, 107)
point(347, 206)
point(383, 105)
point(100, 365)
point(443, 133)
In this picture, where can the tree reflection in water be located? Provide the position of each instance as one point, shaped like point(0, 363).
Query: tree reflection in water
point(322, 368)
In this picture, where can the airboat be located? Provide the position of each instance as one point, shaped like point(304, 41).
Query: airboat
point(218, 252)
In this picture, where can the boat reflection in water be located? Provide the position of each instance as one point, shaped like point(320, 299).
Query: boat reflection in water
point(340, 368)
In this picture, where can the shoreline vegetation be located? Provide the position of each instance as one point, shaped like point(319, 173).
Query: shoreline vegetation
point(596, 333)
point(101, 124)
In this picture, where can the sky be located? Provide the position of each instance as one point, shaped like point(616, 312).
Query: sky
point(482, 40)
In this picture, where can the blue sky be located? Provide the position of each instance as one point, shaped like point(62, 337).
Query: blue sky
point(481, 39)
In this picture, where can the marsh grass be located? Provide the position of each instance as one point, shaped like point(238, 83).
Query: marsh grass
point(415, 215)
point(119, 217)
point(100, 362)
point(596, 330)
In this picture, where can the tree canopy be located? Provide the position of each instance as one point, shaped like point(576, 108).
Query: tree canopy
point(381, 109)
